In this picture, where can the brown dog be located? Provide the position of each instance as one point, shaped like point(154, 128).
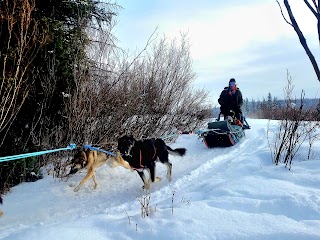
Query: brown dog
point(91, 160)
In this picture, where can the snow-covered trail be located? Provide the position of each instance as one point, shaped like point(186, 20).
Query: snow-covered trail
point(221, 179)
point(119, 188)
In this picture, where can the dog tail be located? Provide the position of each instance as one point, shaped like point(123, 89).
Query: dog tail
point(177, 152)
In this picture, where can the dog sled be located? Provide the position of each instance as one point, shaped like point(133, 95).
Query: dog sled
point(225, 133)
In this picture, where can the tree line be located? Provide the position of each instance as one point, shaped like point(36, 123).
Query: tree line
point(273, 108)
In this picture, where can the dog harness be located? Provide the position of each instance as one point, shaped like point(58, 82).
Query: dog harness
point(140, 160)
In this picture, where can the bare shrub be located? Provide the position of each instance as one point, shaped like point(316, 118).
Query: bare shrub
point(294, 128)
point(149, 96)
point(313, 135)
point(22, 37)
point(144, 201)
point(156, 92)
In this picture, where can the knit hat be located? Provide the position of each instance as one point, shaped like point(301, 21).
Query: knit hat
point(232, 82)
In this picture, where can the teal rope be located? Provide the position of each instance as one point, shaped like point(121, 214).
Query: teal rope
point(26, 155)
point(100, 150)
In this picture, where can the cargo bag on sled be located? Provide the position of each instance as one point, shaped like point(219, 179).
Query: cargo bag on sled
point(222, 134)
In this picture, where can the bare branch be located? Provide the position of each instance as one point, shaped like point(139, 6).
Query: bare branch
point(302, 39)
point(283, 14)
point(23, 38)
point(138, 56)
point(315, 13)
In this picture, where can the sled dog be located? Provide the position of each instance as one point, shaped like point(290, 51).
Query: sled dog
point(92, 159)
point(143, 154)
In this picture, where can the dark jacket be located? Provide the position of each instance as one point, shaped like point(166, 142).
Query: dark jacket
point(230, 102)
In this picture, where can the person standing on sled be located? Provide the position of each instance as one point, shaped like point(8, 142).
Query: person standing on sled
point(231, 100)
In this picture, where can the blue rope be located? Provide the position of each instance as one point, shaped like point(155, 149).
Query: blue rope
point(100, 150)
point(26, 155)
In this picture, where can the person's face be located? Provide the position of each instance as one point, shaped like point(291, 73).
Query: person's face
point(232, 86)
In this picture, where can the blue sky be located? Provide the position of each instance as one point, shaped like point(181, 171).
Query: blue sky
point(244, 39)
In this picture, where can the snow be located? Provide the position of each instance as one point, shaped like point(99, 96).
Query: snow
point(222, 193)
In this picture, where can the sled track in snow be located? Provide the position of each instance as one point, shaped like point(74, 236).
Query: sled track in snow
point(209, 163)
point(118, 188)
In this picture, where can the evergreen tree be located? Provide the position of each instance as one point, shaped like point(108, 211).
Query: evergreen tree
point(269, 101)
point(318, 110)
point(59, 30)
point(253, 105)
point(246, 106)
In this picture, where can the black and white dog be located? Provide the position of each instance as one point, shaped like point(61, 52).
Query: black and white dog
point(143, 154)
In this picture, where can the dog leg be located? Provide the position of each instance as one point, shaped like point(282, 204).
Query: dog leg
point(147, 184)
point(152, 170)
point(169, 171)
point(94, 180)
point(1, 201)
point(144, 179)
point(86, 178)
point(156, 179)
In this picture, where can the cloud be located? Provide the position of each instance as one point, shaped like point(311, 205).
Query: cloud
point(247, 39)
point(216, 28)
point(227, 29)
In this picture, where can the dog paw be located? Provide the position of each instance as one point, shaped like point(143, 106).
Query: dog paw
point(157, 179)
point(1, 213)
point(146, 186)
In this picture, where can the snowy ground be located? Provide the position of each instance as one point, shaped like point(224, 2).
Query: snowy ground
point(226, 193)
